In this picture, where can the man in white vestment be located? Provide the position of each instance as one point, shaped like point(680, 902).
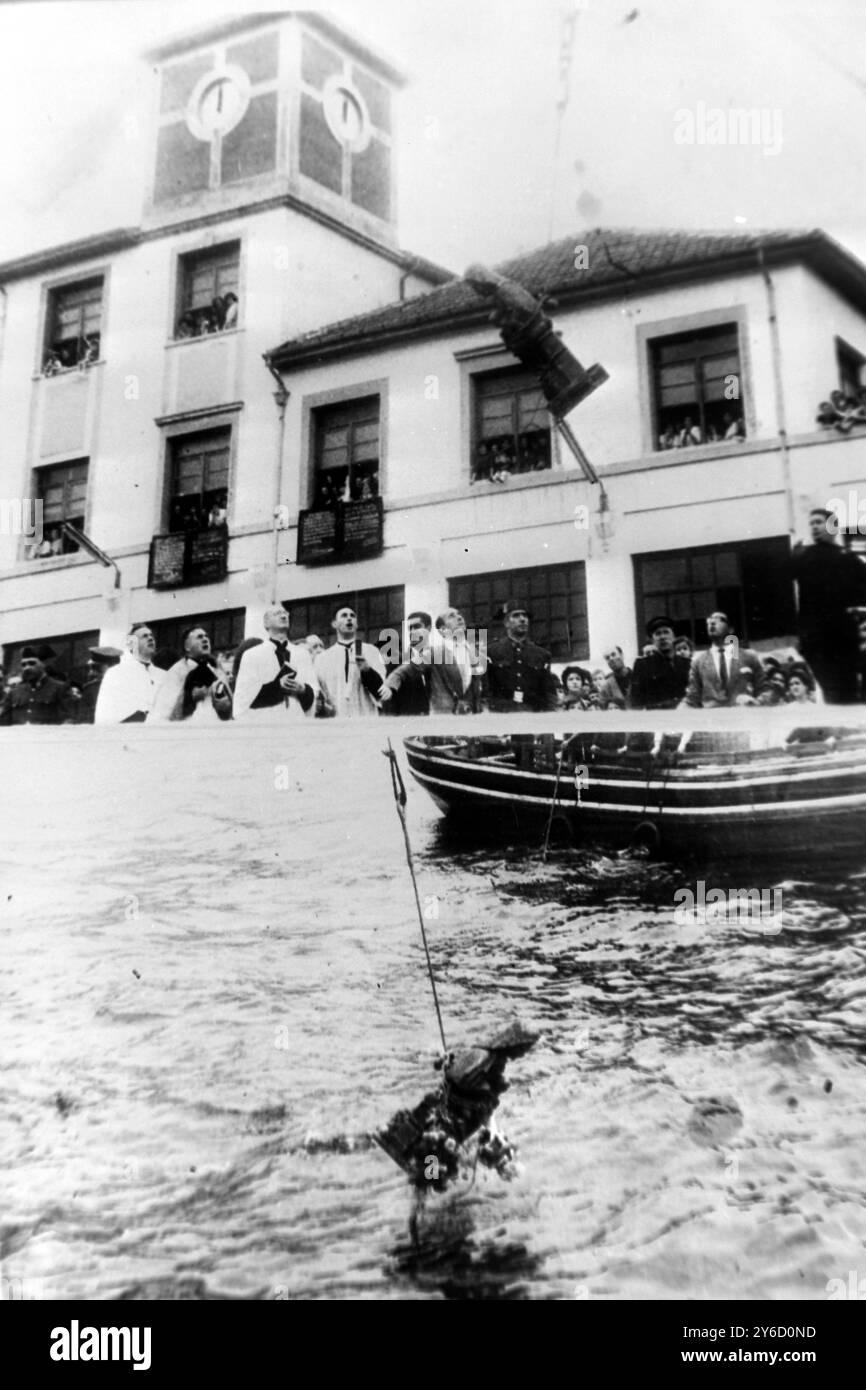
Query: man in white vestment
point(194, 687)
point(275, 678)
point(129, 689)
point(350, 672)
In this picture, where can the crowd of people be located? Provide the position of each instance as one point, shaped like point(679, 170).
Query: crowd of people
point(497, 459)
point(444, 671)
point(686, 433)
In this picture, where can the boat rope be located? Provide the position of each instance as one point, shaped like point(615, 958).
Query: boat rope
point(399, 789)
point(552, 806)
point(666, 765)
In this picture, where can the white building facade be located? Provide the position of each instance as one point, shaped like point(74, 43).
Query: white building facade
point(719, 350)
point(391, 453)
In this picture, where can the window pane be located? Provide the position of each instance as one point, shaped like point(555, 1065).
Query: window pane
point(683, 374)
point(727, 567)
point(703, 570)
point(365, 443)
point(661, 575)
point(496, 416)
point(63, 491)
point(217, 471)
point(690, 375)
point(750, 582)
point(207, 274)
point(558, 619)
point(348, 434)
point(678, 395)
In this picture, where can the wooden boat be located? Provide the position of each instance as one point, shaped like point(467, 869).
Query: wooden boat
point(702, 791)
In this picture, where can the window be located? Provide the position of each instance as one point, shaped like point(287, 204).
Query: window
point(208, 292)
point(511, 428)
point(697, 393)
point(850, 364)
point(554, 594)
point(70, 659)
point(380, 613)
point(73, 326)
point(198, 498)
point(225, 628)
point(62, 490)
point(749, 581)
point(346, 452)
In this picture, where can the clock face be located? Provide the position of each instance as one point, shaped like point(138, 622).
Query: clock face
point(346, 114)
point(218, 102)
point(220, 105)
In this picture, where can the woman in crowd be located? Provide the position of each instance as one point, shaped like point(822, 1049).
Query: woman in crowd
point(801, 686)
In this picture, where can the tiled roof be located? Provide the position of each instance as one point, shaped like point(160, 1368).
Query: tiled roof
point(614, 260)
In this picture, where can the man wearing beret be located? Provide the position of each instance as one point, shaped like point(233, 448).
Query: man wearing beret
point(100, 660)
point(659, 680)
point(518, 672)
point(39, 699)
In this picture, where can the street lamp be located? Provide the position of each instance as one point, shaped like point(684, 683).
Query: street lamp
point(79, 538)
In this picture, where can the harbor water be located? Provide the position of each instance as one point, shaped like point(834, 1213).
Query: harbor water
point(214, 989)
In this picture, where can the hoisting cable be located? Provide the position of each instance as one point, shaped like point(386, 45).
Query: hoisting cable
point(565, 743)
point(399, 790)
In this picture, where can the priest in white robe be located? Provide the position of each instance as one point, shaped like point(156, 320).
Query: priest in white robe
point(128, 690)
point(350, 672)
point(193, 688)
point(275, 679)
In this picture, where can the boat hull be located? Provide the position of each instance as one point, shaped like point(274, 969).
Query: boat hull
point(802, 798)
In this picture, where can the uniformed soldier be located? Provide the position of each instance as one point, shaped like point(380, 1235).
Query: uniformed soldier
point(99, 661)
point(518, 672)
point(39, 699)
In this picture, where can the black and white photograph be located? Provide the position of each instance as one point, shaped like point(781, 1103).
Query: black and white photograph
point(433, 631)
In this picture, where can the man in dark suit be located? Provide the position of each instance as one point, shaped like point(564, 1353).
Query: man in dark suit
point(727, 674)
point(39, 699)
point(659, 680)
point(830, 581)
point(407, 689)
point(518, 672)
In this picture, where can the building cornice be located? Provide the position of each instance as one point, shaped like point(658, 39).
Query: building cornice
point(125, 238)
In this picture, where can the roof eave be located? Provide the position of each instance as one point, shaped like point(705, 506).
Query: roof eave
point(86, 249)
point(825, 256)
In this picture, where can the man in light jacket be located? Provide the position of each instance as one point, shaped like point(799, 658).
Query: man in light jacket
point(275, 679)
point(727, 674)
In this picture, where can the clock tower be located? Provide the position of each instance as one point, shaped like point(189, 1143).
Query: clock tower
point(263, 107)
